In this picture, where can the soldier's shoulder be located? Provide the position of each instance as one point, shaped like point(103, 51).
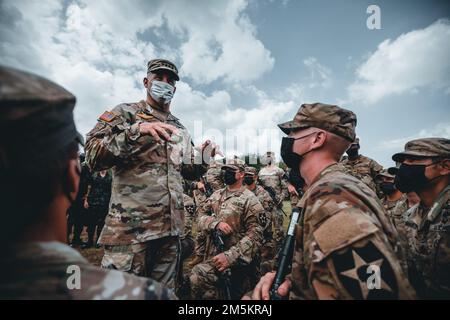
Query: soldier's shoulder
point(175, 121)
point(105, 284)
point(119, 113)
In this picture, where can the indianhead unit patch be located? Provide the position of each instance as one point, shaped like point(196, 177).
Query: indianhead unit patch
point(366, 273)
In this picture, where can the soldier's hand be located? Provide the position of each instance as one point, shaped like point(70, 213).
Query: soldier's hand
point(158, 130)
point(220, 262)
point(292, 189)
point(262, 289)
point(201, 186)
point(224, 227)
point(86, 204)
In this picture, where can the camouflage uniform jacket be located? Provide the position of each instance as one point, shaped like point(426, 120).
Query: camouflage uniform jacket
point(363, 168)
point(342, 234)
point(266, 216)
point(428, 233)
point(147, 192)
point(40, 271)
point(274, 178)
point(241, 210)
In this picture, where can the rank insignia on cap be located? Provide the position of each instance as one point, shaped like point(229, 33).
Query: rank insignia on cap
point(107, 116)
point(366, 273)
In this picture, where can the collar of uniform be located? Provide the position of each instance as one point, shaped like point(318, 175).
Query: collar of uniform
point(435, 210)
point(157, 113)
point(332, 167)
point(229, 193)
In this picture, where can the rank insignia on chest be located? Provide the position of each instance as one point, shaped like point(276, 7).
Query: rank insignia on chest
point(145, 116)
point(107, 116)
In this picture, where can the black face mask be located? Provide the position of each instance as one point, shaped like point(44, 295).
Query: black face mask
point(248, 180)
point(228, 177)
point(352, 152)
point(387, 187)
point(411, 177)
point(289, 157)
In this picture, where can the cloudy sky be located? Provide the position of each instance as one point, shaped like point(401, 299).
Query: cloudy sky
point(246, 65)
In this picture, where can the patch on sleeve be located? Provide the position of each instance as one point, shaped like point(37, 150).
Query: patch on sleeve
point(365, 273)
point(341, 230)
point(107, 116)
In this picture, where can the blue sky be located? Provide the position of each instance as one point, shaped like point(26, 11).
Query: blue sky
point(246, 65)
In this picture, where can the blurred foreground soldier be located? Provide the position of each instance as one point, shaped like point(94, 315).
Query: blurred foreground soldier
point(344, 246)
point(268, 246)
point(360, 166)
point(150, 152)
point(97, 203)
point(39, 177)
point(231, 219)
point(76, 215)
point(425, 169)
point(272, 179)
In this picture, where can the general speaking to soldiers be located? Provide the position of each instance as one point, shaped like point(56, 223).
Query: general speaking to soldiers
point(150, 152)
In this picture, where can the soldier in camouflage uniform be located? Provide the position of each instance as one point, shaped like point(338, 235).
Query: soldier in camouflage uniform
point(39, 163)
point(345, 248)
point(150, 152)
point(234, 213)
point(391, 195)
point(360, 166)
point(268, 245)
point(296, 185)
point(97, 203)
point(211, 181)
point(271, 177)
point(425, 169)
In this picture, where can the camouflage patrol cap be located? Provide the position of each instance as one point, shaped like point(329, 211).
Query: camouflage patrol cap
point(235, 164)
point(393, 170)
point(41, 109)
point(251, 171)
point(162, 64)
point(425, 148)
point(384, 173)
point(331, 118)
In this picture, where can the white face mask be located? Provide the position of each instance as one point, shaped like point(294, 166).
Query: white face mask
point(161, 91)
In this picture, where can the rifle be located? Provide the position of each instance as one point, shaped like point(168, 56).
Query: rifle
point(208, 188)
point(273, 195)
point(226, 275)
point(284, 260)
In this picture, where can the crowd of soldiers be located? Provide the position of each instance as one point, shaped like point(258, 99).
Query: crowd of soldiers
point(173, 204)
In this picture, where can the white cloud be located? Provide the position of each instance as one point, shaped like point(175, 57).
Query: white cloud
point(417, 59)
point(441, 130)
point(96, 50)
point(320, 76)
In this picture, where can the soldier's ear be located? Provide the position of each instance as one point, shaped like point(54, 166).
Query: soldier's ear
point(145, 82)
point(72, 181)
point(445, 165)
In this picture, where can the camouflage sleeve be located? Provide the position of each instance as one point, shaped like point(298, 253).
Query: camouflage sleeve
point(113, 140)
point(156, 291)
point(206, 219)
point(346, 256)
point(246, 249)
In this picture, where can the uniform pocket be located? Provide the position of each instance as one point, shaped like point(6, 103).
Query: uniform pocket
point(118, 261)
